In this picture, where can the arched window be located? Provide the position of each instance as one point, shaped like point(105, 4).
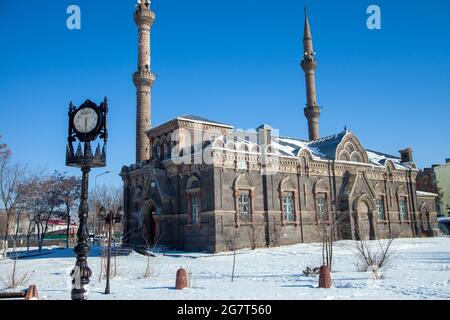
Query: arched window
point(381, 212)
point(321, 207)
point(244, 207)
point(288, 191)
point(355, 157)
point(403, 209)
point(288, 208)
point(195, 202)
point(166, 151)
point(243, 197)
point(193, 193)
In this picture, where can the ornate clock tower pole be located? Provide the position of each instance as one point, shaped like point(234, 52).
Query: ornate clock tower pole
point(86, 123)
point(143, 79)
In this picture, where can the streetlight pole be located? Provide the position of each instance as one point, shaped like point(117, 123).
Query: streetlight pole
point(108, 262)
point(95, 200)
point(110, 219)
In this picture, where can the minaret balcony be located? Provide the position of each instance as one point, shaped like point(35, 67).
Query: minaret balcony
point(308, 63)
point(312, 111)
point(144, 78)
point(144, 16)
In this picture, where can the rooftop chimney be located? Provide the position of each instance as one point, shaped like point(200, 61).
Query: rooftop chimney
point(264, 135)
point(406, 155)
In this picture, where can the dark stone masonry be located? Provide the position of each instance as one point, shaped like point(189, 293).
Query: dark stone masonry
point(203, 186)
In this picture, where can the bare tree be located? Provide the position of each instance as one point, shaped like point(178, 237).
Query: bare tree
point(70, 189)
point(328, 234)
point(5, 153)
point(44, 201)
point(230, 238)
point(12, 191)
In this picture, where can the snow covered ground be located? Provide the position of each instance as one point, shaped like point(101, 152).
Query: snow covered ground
point(421, 271)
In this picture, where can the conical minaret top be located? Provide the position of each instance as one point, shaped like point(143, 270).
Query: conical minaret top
point(309, 64)
point(143, 79)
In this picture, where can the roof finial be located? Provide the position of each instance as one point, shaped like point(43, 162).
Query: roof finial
point(345, 128)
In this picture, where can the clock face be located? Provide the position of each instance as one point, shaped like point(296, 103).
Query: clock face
point(85, 120)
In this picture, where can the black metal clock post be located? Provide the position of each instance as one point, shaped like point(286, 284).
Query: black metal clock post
point(86, 123)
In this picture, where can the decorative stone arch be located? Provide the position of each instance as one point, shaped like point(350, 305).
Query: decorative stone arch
point(150, 222)
point(288, 188)
point(243, 180)
point(425, 222)
point(192, 183)
point(242, 147)
point(218, 143)
point(287, 184)
point(389, 170)
point(230, 145)
point(270, 149)
point(305, 157)
point(243, 184)
point(351, 148)
point(255, 148)
point(321, 185)
point(303, 152)
point(363, 218)
point(344, 156)
point(379, 188)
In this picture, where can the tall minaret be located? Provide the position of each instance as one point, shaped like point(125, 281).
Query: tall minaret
point(143, 79)
point(309, 64)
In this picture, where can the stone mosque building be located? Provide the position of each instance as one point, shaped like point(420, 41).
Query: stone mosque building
point(197, 181)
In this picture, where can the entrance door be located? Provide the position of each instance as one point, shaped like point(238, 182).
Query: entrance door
point(366, 226)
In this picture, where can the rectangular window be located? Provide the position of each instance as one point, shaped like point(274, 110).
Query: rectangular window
point(288, 208)
point(380, 208)
point(195, 209)
point(244, 207)
point(403, 209)
point(321, 207)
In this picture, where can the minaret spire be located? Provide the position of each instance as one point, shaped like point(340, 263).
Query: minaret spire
point(143, 79)
point(309, 64)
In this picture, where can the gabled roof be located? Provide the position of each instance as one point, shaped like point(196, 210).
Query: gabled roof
point(328, 145)
point(195, 118)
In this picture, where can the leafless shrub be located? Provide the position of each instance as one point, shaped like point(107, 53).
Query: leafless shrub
point(13, 279)
point(370, 259)
point(311, 271)
point(150, 268)
point(254, 235)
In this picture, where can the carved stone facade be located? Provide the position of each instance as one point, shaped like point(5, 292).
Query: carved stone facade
point(197, 194)
point(205, 184)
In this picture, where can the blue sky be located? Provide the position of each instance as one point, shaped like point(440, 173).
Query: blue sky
point(234, 61)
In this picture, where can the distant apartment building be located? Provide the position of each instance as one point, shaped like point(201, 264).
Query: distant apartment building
point(442, 176)
point(437, 180)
